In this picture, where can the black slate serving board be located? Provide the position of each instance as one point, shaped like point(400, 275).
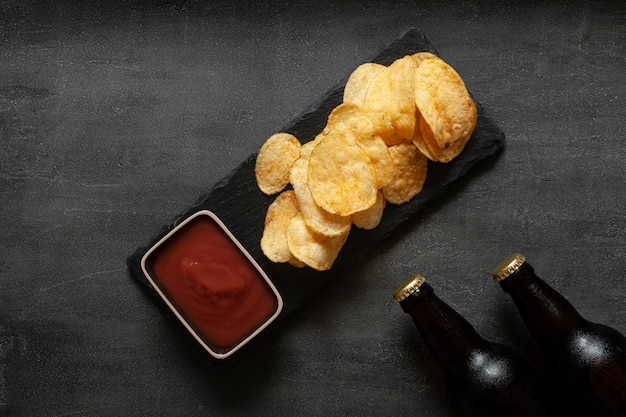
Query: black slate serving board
point(241, 206)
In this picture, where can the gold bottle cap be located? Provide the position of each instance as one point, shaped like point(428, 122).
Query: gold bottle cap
point(508, 266)
point(408, 287)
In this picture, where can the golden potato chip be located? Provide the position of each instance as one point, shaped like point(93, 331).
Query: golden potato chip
point(370, 218)
point(279, 214)
point(410, 173)
point(318, 219)
point(341, 177)
point(317, 251)
point(348, 117)
point(448, 113)
point(307, 148)
point(380, 158)
point(293, 261)
point(419, 57)
point(418, 140)
point(390, 101)
point(359, 81)
point(274, 160)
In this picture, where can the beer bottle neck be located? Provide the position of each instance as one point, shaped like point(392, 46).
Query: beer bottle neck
point(449, 337)
point(547, 314)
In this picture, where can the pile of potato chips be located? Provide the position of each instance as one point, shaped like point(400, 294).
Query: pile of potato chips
point(373, 150)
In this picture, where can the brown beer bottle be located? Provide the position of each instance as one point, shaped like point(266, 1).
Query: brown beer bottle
point(585, 361)
point(482, 378)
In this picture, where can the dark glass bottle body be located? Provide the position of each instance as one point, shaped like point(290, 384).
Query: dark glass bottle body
point(483, 378)
point(585, 361)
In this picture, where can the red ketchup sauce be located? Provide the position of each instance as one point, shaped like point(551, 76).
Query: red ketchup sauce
point(212, 283)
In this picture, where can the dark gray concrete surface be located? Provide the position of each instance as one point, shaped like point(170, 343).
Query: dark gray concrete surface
point(115, 117)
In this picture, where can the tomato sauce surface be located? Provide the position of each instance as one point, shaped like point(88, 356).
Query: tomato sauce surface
point(212, 283)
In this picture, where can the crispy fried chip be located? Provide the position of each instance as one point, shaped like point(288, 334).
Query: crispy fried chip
point(359, 81)
point(279, 214)
point(317, 251)
point(307, 148)
point(296, 262)
point(390, 101)
point(410, 173)
point(419, 57)
point(448, 113)
point(341, 176)
point(351, 118)
point(418, 139)
point(380, 158)
point(370, 218)
point(348, 117)
point(274, 160)
point(318, 219)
